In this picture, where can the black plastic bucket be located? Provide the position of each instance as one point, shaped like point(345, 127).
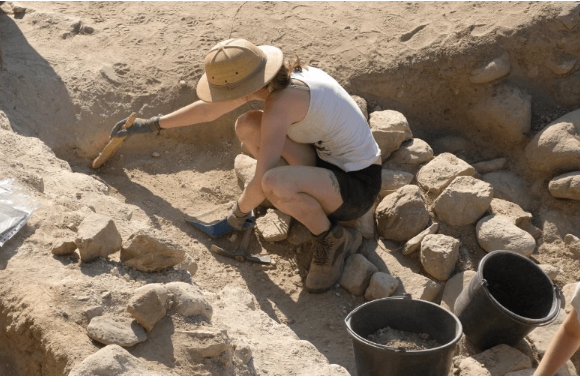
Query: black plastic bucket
point(508, 298)
point(406, 314)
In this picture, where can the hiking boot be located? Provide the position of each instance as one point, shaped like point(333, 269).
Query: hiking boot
point(329, 253)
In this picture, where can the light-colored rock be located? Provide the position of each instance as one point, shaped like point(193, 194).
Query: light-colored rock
point(381, 285)
point(527, 226)
point(4, 122)
point(274, 225)
point(542, 336)
point(188, 300)
point(496, 361)
point(245, 168)
point(357, 274)
point(557, 146)
point(439, 254)
point(464, 201)
point(438, 173)
point(560, 63)
point(390, 129)
point(505, 113)
point(566, 186)
point(550, 270)
point(365, 224)
point(573, 244)
point(508, 209)
point(188, 264)
point(112, 360)
point(243, 353)
point(484, 167)
point(298, 234)
point(414, 243)
point(362, 105)
point(149, 250)
point(412, 152)
point(499, 233)
point(508, 186)
point(116, 330)
point(207, 342)
point(402, 214)
point(567, 293)
point(453, 288)
point(493, 70)
point(63, 247)
point(97, 237)
point(392, 180)
point(108, 72)
point(148, 304)
point(93, 311)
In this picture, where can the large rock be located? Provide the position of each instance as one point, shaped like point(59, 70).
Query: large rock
point(362, 105)
point(206, 343)
point(112, 360)
point(148, 250)
point(496, 68)
point(557, 146)
point(439, 254)
point(274, 225)
point(392, 180)
point(364, 224)
point(414, 243)
point(381, 285)
point(453, 288)
point(148, 304)
point(496, 361)
point(566, 186)
point(402, 214)
point(188, 300)
point(245, 168)
point(97, 236)
point(510, 210)
point(390, 129)
point(441, 171)
point(412, 152)
point(116, 330)
point(464, 201)
point(357, 274)
point(573, 244)
point(506, 113)
point(508, 186)
point(499, 233)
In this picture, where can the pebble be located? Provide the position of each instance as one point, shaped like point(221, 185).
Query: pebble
point(233, 237)
point(183, 83)
point(106, 294)
point(18, 9)
point(155, 154)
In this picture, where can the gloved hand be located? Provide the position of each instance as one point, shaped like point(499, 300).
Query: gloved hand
point(140, 126)
point(237, 218)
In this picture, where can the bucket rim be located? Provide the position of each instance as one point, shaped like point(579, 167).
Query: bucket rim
point(458, 328)
point(554, 311)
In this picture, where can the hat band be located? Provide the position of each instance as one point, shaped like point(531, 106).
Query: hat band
point(236, 84)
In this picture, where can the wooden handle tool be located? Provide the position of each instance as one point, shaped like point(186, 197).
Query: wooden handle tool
point(113, 144)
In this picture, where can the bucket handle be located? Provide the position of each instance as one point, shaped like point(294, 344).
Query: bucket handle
point(559, 295)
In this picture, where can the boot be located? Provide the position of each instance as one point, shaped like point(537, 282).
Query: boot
point(329, 253)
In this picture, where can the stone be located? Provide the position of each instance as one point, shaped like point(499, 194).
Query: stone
point(116, 330)
point(414, 243)
point(93, 311)
point(567, 293)
point(499, 233)
point(496, 361)
point(557, 146)
point(573, 244)
point(357, 274)
point(381, 285)
point(527, 226)
point(541, 336)
point(63, 247)
point(508, 209)
point(566, 186)
point(4, 122)
point(299, 234)
point(464, 201)
point(493, 70)
point(112, 360)
point(97, 236)
point(362, 105)
point(243, 353)
point(453, 288)
point(207, 343)
point(438, 173)
point(550, 270)
point(17, 9)
point(484, 167)
point(402, 214)
point(274, 225)
point(245, 168)
point(188, 300)
point(148, 250)
point(364, 224)
point(560, 63)
point(439, 254)
point(505, 112)
point(392, 180)
point(411, 152)
point(148, 304)
point(390, 129)
point(108, 72)
point(568, 369)
point(188, 264)
point(509, 186)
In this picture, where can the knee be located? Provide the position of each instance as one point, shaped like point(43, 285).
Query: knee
point(274, 184)
point(248, 125)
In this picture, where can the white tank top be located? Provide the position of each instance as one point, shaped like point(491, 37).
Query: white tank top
point(334, 124)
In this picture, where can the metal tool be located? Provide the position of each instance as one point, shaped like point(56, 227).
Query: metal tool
point(241, 254)
point(218, 228)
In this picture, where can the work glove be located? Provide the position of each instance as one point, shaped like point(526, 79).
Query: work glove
point(140, 126)
point(236, 218)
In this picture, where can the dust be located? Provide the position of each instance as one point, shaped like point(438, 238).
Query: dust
point(408, 340)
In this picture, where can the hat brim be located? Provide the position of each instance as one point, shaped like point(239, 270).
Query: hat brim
point(274, 60)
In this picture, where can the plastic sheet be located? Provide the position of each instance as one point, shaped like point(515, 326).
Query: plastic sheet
point(16, 207)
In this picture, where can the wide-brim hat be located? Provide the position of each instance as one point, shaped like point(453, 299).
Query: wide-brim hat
point(235, 68)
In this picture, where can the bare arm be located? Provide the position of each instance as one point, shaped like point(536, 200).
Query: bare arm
point(200, 112)
point(562, 347)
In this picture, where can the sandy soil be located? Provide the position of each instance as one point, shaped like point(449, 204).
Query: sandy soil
point(71, 70)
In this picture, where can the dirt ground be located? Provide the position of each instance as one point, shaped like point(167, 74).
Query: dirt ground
point(71, 70)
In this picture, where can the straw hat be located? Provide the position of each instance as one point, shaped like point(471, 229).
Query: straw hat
point(235, 68)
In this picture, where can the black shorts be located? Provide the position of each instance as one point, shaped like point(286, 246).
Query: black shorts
point(359, 189)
